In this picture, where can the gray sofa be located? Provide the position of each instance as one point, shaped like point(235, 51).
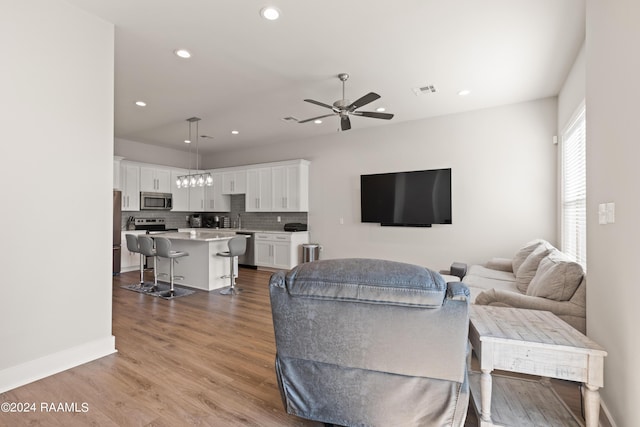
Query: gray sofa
point(537, 277)
point(371, 342)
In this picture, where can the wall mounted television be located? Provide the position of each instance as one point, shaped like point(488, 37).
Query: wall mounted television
point(406, 199)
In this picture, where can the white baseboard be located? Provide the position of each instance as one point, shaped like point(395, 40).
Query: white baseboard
point(37, 369)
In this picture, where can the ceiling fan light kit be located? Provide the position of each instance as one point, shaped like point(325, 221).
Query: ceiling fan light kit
point(344, 108)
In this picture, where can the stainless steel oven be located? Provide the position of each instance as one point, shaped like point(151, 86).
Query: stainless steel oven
point(156, 201)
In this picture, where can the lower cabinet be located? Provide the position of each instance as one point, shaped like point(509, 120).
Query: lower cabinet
point(279, 250)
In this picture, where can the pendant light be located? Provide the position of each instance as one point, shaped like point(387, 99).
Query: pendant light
point(194, 179)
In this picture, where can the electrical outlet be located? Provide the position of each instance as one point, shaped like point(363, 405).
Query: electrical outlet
point(278, 219)
point(341, 221)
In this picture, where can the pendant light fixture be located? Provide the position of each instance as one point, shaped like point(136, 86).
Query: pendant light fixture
point(196, 179)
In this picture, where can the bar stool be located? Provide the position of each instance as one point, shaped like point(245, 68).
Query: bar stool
point(163, 249)
point(237, 246)
point(134, 247)
point(145, 244)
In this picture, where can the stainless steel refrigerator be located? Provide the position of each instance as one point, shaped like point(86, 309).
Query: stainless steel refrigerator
point(117, 231)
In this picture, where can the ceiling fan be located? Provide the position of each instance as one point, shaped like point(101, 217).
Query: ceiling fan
point(344, 108)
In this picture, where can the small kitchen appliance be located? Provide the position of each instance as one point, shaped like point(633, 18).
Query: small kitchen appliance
point(195, 220)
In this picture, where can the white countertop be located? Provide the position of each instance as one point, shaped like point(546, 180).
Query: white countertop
point(233, 230)
point(202, 236)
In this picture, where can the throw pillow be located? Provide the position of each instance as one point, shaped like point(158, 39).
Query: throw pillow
point(523, 253)
point(557, 278)
point(529, 266)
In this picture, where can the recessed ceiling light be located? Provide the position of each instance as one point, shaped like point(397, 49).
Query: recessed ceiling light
point(186, 141)
point(141, 103)
point(235, 132)
point(380, 109)
point(270, 13)
point(464, 92)
point(317, 121)
point(183, 53)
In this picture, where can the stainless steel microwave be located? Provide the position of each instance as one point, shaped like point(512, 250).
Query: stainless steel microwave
point(156, 201)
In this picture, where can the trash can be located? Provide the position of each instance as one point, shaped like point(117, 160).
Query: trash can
point(310, 252)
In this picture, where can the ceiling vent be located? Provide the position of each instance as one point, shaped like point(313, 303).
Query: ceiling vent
point(424, 90)
point(290, 119)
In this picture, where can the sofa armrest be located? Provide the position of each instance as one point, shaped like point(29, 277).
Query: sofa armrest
point(500, 297)
point(502, 264)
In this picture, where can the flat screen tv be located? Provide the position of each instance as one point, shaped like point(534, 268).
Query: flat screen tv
point(410, 199)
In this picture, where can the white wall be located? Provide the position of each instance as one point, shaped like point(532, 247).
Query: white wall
point(573, 90)
point(613, 175)
point(141, 152)
point(56, 81)
point(504, 183)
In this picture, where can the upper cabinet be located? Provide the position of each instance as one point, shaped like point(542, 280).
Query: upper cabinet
point(291, 187)
point(180, 195)
point(155, 180)
point(259, 197)
point(214, 200)
point(130, 186)
point(234, 181)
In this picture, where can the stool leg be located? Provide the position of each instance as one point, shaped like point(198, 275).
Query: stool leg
point(155, 274)
point(171, 291)
point(232, 289)
point(141, 270)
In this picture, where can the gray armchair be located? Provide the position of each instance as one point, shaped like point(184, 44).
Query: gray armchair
point(371, 342)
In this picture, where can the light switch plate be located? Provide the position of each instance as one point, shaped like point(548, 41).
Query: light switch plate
point(611, 213)
point(602, 213)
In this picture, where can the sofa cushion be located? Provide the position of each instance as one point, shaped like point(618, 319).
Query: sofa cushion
point(557, 277)
point(489, 273)
point(477, 284)
point(524, 252)
point(528, 268)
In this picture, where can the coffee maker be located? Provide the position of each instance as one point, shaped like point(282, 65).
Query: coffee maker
point(195, 221)
point(212, 221)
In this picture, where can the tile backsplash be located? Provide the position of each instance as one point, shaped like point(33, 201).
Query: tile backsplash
point(250, 220)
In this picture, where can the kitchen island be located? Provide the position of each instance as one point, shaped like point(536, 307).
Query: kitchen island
point(202, 269)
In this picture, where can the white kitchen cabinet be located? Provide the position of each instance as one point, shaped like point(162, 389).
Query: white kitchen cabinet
point(130, 185)
point(259, 196)
point(291, 187)
point(279, 250)
point(234, 181)
point(129, 261)
point(196, 199)
point(180, 195)
point(155, 180)
point(214, 200)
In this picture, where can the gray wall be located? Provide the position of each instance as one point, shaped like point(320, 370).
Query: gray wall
point(504, 183)
point(613, 175)
point(56, 82)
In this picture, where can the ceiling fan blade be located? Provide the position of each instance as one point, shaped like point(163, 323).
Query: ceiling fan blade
point(315, 118)
point(322, 104)
point(373, 114)
point(345, 123)
point(370, 97)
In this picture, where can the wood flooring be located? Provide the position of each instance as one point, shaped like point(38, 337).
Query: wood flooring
point(205, 359)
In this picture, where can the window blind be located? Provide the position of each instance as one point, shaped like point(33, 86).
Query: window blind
point(574, 188)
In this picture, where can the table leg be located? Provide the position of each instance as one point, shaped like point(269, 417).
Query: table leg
point(485, 394)
point(591, 406)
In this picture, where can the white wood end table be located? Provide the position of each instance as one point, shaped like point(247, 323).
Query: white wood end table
point(536, 343)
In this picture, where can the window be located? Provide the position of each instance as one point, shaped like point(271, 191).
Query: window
point(574, 188)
